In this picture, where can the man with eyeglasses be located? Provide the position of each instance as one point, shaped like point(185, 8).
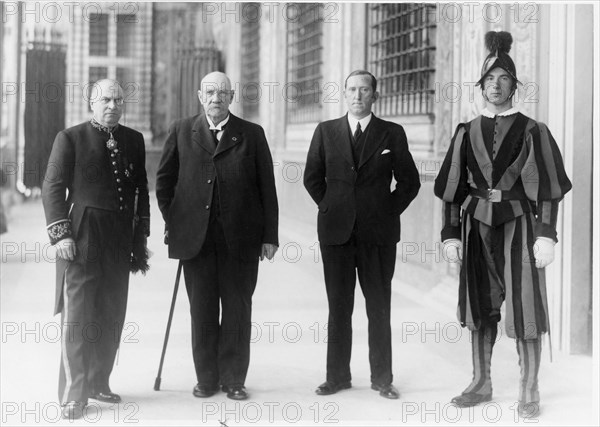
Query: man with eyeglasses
point(95, 197)
point(216, 190)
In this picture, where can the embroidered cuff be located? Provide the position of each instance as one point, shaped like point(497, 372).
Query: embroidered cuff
point(59, 230)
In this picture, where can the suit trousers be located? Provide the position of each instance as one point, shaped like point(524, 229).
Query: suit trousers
point(375, 266)
point(94, 304)
point(221, 351)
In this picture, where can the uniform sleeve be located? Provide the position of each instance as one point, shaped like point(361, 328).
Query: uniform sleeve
point(57, 182)
point(143, 203)
point(544, 179)
point(451, 221)
point(451, 184)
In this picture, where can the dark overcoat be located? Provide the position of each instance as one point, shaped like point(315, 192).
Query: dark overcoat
point(241, 166)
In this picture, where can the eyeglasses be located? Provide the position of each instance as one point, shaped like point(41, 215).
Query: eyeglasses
point(105, 101)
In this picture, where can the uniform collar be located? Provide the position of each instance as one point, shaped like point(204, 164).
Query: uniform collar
point(487, 113)
point(97, 125)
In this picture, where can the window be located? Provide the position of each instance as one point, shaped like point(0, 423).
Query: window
point(402, 57)
point(126, 78)
point(95, 74)
point(303, 88)
point(250, 91)
point(125, 35)
point(98, 34)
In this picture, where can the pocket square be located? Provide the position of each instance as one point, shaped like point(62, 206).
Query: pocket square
point(385, 151)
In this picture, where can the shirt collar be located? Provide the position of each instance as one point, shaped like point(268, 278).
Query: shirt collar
point(487, 113)
point(219, 126)
point(363, 122)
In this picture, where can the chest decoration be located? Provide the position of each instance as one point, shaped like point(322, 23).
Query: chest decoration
point(111, 144)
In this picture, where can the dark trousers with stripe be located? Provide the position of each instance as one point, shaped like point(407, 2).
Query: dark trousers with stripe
point(221, 351)
point(94, 304)
point(490, 250)
point(375, 266)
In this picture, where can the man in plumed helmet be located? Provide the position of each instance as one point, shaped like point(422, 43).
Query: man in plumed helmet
point(95, 197)
point(501, 182)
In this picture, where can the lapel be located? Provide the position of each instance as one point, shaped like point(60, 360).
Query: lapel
point(340, 138)
point(201, 135)
point(374, 138)
point(231, 135)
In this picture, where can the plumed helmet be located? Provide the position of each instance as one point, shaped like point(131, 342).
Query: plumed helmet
point(498, 43)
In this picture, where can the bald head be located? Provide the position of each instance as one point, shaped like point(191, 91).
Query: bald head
point(106, 102)
point(218, 79)
point(215, 95)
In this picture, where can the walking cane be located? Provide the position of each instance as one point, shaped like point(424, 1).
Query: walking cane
point(162, 356)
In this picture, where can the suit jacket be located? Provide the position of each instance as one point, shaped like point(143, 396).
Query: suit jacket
point(241, 166)
point(359, 198)
point(81, 174)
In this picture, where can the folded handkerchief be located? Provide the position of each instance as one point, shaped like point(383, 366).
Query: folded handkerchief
point(385, 151)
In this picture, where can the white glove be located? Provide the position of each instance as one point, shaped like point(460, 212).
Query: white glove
point(452, 251)
point(543, 251)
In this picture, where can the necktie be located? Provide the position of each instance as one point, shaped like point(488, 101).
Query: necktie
point(357, 132)
point(214, 134)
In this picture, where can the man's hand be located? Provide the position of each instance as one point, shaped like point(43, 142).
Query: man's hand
point(66, 249)
point(543, 251)
point(268, 251)
point(453, 250)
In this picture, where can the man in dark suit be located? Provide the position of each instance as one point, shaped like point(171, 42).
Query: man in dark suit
point(95, 196)
point(216, 191)
point(349, 168)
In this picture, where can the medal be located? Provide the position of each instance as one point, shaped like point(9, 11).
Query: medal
point(111, 144)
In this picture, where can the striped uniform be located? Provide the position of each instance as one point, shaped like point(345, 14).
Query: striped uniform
point(517, 156)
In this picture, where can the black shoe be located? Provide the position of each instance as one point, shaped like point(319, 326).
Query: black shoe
point(108, 397)
point(72, 410)
point(528, 409)
point(236, 392)
point(388, 391)
point(329, 387)
point(204, 390)
point(467, 400)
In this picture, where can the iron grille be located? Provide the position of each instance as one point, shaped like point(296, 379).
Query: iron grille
point(251, 90)
point(402, 57)
point(303, 88)
point(98, 34)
